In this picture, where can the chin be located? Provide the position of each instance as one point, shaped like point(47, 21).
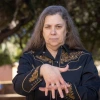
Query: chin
point(56, 44)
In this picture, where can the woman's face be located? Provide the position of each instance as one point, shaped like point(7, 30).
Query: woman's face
point(54, 30)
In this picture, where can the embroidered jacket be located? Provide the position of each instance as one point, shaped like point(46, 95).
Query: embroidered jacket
point(82, 74)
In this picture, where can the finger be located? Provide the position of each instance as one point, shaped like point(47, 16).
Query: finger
point(53, 93)
point(46, 89)
point(42, 89)
point(68, 85)
point(51, 87)
point(60, 89)
point(55, 87)
point(66, 88)
point(60, 92)
point(64, 69)
point(61, 80)
point(64, 84)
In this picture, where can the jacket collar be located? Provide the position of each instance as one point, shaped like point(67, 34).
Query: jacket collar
point(66, 48)
point(44, 51)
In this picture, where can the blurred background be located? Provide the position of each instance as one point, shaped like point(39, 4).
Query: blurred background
point(17, 20)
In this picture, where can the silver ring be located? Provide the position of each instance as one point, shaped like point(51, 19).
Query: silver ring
point(52, 84)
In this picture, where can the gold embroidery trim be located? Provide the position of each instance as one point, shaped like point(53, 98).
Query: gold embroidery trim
point(44, 58)
point(74, 69)
point(34, 75)
point(31, 52)
point(70, 94)
point(35, 84)
point(24, 81)
point(72, 56)
point(77, 92)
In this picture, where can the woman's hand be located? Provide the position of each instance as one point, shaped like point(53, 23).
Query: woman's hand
point(53, 79)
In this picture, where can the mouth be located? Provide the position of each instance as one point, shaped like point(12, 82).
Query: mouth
point(53, 39)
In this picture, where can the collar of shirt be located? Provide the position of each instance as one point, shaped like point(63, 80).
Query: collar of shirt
point(44, 51)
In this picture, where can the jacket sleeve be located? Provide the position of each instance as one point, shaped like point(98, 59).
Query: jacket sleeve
point(28, 77)
point(89, 86)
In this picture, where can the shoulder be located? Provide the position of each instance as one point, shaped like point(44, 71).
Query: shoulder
point(28, 55)
point(80, 53)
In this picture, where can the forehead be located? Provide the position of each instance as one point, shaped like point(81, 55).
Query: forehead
point(54, 19)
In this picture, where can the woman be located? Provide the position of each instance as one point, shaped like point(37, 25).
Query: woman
point(55, 64)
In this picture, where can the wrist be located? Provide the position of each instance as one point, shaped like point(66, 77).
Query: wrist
point(42, 69)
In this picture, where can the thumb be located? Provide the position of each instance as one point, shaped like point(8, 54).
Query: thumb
point(41, 89)
point(64, 69)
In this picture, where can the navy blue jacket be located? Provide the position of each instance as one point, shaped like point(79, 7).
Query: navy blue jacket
point(82, 74)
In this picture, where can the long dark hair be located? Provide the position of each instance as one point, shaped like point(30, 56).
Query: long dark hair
point(72, 38)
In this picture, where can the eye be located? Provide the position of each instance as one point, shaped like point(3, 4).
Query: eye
point(47, 27)
point(58, 26)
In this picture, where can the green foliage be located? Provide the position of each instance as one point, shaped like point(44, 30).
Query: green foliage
point(5, 58)
point(9, 52)
point(85, 14)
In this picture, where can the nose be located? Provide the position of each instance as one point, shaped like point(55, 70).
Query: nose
point(53, 31)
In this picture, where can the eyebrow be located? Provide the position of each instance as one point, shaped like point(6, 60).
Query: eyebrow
point(56, 24)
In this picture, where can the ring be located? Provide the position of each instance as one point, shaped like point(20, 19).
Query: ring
point(52, 84)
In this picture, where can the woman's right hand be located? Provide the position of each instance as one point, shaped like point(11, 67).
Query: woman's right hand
point(53, 79)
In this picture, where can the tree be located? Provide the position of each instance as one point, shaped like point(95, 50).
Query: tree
point(17, 18)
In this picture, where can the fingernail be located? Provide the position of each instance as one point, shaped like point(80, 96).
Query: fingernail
point(69, 85)
point(62, 96)
point(53, 97)
point(45, 94)
point(66, 91)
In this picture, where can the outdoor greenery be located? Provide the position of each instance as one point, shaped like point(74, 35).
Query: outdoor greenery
point(18, 17)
